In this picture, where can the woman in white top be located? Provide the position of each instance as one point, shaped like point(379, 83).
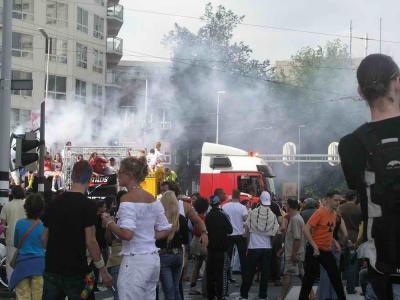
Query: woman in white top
point(140, 221)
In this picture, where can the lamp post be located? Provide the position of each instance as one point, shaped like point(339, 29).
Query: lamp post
point(219, 93)
point(43, 116)
point(298, 164)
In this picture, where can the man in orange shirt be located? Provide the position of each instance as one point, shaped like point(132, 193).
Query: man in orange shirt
point(319, 232)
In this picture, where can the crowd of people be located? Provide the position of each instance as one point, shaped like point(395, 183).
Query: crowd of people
point(64, 246)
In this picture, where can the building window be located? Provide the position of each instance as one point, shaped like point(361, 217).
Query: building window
point(23, 10)
point(165, 123)
point(98, 27)
point(97, 91)
point(58, 50)
point(81, 55)
point(100, 2)
point(22, 45)
point(21, 75)
point(57, 13)
point(98, 61)
point(57, 87)
point(82, 20)
point(20, 118)
point(80, 90)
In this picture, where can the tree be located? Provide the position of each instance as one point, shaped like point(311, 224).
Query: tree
point(205, 62)
point(327, 102)
point(212, 45)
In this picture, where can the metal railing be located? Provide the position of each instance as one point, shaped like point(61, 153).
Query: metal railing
point(113, 77)
point(116, 11)
point(115, 44)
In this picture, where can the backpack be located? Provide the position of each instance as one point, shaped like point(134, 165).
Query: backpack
point(382, 184)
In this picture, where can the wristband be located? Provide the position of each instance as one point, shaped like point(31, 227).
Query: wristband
point(99, 264)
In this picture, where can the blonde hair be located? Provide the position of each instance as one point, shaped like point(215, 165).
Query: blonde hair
point(171, 207)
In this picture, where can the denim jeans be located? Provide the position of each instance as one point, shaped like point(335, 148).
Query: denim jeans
point(56, 287)
point(114, 270)
point(138, 276)
point(170, 273)
point(396, 291)
point(351, 272)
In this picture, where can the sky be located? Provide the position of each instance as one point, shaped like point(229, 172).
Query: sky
point(143, 29)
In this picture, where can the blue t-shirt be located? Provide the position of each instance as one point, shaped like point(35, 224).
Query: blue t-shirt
point(32, 243)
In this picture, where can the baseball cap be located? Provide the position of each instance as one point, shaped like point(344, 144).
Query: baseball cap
point(265, 198)
point(215, 201)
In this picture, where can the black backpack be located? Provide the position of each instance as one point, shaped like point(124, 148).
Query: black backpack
point(382, 183)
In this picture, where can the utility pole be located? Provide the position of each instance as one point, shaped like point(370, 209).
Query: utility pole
point(217, 129)
point(43, 116)
point(380, 35)
point(351, 37)
point(5, 98)
point(298, 164)
point(366, 44)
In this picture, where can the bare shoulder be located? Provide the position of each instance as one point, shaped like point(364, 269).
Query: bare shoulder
point(138, 196)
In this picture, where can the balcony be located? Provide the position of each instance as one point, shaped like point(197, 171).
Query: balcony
point(114, 50)
point(115, 19)
point(112, 2)
point(113, 79)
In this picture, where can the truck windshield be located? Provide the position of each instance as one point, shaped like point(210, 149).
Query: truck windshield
point(250, 185)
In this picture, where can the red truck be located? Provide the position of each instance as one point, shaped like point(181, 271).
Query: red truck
point(232, 168)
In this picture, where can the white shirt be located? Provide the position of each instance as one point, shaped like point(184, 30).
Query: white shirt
point(151, 159)
point(237, 214)
point(11, 213)
point(143, 219)
point(159, 156)
point(259, 241)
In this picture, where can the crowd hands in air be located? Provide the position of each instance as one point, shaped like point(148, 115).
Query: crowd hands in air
point(67, 244)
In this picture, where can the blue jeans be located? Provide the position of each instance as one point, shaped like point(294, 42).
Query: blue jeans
point(351, 273)
point(114, 270)
point(396, 291)
point(57, 287)
point(170, 273)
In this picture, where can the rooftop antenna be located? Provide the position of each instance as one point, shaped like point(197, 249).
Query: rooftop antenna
point(380, 35)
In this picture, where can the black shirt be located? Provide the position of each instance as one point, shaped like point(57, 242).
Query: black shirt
point(353, 157)
point(100, 233)
point(218, 226)
point(180, 238)
point(66, 217)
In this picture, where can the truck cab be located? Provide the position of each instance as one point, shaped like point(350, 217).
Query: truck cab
point(231, 168)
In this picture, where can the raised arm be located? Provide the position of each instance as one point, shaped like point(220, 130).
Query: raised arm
point(197, 222)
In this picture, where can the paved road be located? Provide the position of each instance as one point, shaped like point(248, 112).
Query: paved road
point(273, 292)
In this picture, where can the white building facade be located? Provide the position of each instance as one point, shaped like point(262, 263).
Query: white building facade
point(80, 49)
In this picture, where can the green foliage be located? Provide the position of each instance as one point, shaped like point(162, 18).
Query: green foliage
point(212, 46)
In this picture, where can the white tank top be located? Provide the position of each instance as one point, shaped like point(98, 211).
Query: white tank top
point(181, 208)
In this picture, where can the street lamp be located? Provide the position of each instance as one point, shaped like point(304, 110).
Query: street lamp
point(219, 93)
point(46, 36)
point(298, 164)
point(43, 116)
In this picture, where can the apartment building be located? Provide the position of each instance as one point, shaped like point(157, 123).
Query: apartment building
point(82, 43)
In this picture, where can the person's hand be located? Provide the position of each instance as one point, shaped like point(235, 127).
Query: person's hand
point(106, 219)
point(316, 251)
point(204, 239)
point(107, 279)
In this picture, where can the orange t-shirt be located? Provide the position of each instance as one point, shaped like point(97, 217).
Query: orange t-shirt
point(323, 222)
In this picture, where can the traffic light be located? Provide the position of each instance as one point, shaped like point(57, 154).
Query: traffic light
point(25, 149)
